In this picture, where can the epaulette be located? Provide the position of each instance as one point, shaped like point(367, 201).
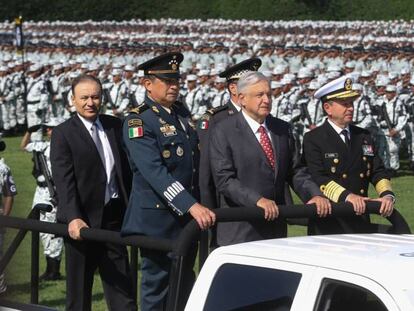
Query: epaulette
point(213, 111)
point(140, 109)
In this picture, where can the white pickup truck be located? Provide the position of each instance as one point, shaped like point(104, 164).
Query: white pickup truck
point(367, 272)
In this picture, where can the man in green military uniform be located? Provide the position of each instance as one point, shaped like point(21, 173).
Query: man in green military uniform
point(343, 161)
point(162, 149)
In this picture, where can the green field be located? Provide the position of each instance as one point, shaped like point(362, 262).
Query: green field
point(53, 293)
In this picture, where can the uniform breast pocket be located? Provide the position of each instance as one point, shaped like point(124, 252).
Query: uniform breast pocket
point(172, 152)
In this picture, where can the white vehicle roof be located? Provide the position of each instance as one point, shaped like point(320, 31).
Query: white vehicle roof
point(388, 259)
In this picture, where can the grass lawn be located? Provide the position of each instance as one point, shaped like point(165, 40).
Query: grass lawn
point(52, 294)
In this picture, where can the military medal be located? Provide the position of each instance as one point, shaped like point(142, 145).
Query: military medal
point(180, 151)
point(168, 130)
point(367, 150)
point(162, 121)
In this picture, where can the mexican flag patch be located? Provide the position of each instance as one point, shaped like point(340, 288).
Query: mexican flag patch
point(135, 132)
point(204, 125)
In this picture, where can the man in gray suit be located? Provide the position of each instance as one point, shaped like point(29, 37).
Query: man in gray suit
point(252, 155)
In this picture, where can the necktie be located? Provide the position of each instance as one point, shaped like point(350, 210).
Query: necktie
point(98, 142)
point(345, 134)
point(267, 146)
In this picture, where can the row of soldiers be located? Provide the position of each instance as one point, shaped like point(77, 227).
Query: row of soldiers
point(385, 106)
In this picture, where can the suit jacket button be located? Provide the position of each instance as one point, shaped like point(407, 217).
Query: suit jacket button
point(361, 175)
point(364, 158)
point(336, 161)
point(344, 176)
point(157, 206)
point(362, 191)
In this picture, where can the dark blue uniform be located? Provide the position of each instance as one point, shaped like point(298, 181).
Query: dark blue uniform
point(164, 160)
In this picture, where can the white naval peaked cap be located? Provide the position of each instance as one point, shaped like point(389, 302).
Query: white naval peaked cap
point(203, 72)
point(3, 68)
point(365, 74)
point(279, 70)
point(129, 68)
point(339, 88)
point(220, 80)
point(34, 67)
point(391, 88)
point(314, 85)
point(93, 67)
point(116, 72)
point(304, 73)
point(275, 84)
point(357, 87)
point(191, 78)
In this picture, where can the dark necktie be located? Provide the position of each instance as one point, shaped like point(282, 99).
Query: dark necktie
point(267, 146)
point(346, 135)
point(98, 142)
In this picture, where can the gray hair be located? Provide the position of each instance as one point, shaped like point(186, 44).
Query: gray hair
point(250, 78)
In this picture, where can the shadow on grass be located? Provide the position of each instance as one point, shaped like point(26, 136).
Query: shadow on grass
point(14, 292)
point(16, 289)
point(61, 301)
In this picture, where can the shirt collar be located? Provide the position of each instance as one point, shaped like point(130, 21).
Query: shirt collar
point(168, 110)
point(238, 108)
point(337, 128)
point(253, 124)
point(88, 123)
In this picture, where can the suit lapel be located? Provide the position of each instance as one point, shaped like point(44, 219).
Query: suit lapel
point(274, 134)
point(84, 134)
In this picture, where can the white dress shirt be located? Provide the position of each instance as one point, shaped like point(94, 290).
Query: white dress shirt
point(254, 125)
point(111, 190)
point(339, 130)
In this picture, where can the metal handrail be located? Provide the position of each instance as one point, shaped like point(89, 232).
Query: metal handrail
point(181, 246)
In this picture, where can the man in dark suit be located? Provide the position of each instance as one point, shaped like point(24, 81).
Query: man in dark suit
point(208, 195)
point(343, 161)
point(163, 153)
point(252, 155)
point(91, 177)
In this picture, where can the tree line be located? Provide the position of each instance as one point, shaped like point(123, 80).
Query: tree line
point(78, 10)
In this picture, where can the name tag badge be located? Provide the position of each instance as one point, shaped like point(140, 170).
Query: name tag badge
point(331, 155)
point(367, 150)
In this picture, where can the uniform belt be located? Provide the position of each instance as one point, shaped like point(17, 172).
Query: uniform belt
point(33, 102)
point(42, 184)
